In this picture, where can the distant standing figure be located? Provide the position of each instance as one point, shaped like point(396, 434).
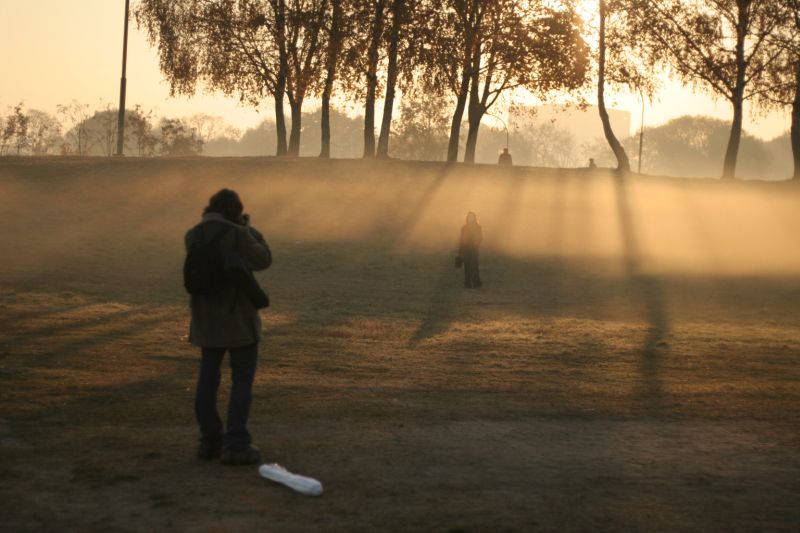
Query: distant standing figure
point(592, 164)
point(505, 158)
point(471, 238)
point(224, 320)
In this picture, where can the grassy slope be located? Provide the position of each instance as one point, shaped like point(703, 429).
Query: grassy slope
point(630, 363)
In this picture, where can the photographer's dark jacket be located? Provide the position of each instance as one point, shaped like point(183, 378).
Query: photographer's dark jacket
point(227, 319)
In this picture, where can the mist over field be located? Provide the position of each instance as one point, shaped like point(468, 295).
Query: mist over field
point(662, 225)
point(628, 332)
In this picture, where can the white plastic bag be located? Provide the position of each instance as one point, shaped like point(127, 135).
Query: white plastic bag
point(302, 484)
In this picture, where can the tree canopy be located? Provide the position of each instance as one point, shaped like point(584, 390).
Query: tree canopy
point(473, 54)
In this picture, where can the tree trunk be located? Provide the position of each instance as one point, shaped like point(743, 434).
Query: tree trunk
point(372, 81)
point(391, 80)
point(369, 118)
point(476, 110)
point(623, 163)
point(472, 137)
point(458, 116)
point(732, 152)
point(463, 90)
point(795, 131)
point(280, 82)
point(325, 124)
point(296, 106)
point(334, 43)
point(280, 119)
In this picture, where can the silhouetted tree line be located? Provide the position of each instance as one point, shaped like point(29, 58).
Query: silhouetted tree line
point(692, 146)
point(688, 146)
point(475, 52)
point(453, 60)
point(75, 130)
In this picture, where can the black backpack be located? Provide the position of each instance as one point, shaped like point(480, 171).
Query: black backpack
point(204, 267)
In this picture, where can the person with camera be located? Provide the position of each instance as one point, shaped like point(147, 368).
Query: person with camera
point(225, 318)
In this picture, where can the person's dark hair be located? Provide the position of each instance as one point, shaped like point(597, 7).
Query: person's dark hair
point(227, 203)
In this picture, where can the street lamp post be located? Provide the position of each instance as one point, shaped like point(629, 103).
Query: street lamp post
point(503, 123)
point(641, 134)
point(122, 83)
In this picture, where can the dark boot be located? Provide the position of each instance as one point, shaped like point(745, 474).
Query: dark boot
point(249, 456)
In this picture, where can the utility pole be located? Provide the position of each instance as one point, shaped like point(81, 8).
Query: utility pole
point(122, 83)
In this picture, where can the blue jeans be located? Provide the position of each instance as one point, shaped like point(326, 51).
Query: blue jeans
point(243, 370)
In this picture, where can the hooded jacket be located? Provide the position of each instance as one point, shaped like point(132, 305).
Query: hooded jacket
point(227, 319)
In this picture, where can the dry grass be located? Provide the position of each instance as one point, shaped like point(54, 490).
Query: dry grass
point(631, 364)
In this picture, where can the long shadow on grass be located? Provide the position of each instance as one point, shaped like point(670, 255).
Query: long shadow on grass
point(63, 342)
point(50, 329)
point(409, 220)
point(8, 321)
point(441, 310)
point(135, 399)
point(552, 303)
point(538, 284)
point(649, 289)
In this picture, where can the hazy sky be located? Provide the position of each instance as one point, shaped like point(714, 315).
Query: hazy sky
point(54, 51)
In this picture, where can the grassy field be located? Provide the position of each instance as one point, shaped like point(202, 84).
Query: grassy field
point(631, 362)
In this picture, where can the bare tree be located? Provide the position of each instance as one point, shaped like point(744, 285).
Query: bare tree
point(76, 115)
point(480, 50)
point(103, 126)
point(794, 58)
point(793, 55)
point(303, 42)
point(370, 19)
point(403, 36)
point(452, 30)
point(208, 127)
point(424, 127)
point(238, 47)
point(334, 35)
point(44, 132)
point(3, 142)
point(624, 63)
point(378, 54)
point(784, 90)
point(623, 163)
point(727, 47)
point(15, 131)
point(140, 130)
point(529, 45)
point(179, 139)
point(550, 145)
